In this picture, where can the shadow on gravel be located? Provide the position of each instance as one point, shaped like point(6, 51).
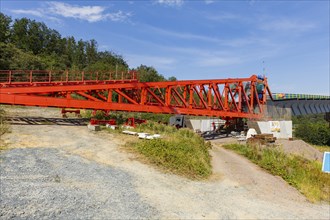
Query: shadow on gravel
point(47, 121)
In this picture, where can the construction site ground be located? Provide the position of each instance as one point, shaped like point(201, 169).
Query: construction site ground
point(69, 172)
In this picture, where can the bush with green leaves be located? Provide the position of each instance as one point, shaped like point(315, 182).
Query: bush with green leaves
point(312, 129)
point(179, 151)
point(314, 133)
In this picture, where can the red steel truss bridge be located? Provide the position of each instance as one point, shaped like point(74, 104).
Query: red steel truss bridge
point(111, 91)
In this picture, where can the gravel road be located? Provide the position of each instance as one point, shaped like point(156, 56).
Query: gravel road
point(49, 183)
point(68, 172)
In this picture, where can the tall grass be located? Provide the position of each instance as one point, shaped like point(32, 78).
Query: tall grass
point(122, 116)
point(299, 172)
point(179, 151)
point(4, 128)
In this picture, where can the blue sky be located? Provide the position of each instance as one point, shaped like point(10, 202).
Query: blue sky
point(286, 40)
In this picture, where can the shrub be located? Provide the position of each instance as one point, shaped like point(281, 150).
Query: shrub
point(313, 129)
point(4, 128)
point(179, 151)
point(314, 133)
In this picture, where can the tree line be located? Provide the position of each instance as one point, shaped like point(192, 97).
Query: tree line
point(29, 44)
point(313, 129)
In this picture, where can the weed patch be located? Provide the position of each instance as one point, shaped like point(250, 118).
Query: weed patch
point(179, 151)
point(322, 148)
point(4, 128)
point(299, 172)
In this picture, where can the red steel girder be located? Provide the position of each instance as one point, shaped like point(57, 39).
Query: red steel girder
point(236, 98)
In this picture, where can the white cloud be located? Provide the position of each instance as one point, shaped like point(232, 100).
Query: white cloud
point(175, 3)
point(37, 12)
point(87, 13)
point(28, 12)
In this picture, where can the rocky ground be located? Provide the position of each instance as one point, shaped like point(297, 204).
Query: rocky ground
point(69, 172)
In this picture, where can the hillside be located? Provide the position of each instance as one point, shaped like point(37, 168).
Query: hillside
point(29, 44)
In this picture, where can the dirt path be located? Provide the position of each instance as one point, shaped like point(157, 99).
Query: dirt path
point(90, 165)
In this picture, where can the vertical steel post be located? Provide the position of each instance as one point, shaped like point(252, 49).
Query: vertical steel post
point(30, 76)
point(9, 79)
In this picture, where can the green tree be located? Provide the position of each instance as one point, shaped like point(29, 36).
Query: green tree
point(91, 52)
point(80, 55)
point(4, 28)
point(312, 128)
point(19, 36)
point(114, 60)
point(53, 42)
point(53, 62)
point(6, 51)
point(172, 78)
point(36, 37)
point(149, 74)
point(69, 50)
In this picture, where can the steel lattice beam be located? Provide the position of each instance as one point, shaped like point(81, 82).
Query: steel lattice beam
point(235, 98)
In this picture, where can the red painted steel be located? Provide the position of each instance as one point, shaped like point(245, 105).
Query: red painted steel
point(134, 121)
point(226, 98)
point(21, 78)
point(94, 121)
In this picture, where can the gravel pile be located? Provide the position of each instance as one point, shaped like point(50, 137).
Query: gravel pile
point(300, 148)
point(47, 183)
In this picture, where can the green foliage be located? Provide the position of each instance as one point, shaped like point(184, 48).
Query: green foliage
point(4, 128)
point(317, 133)
point(14, 58)
point(312, 129)
point(172, 78)
point(314, 118)
point(322, 148)
point(162, 118)
point(149, 74)
point(28, 44)
point(121, 117)
point(303, 174)
point(4, 27)
point(179, 151)
point(154, 127)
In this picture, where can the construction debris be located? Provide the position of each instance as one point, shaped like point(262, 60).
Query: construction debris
point(129, 132)
point(94, 127)
point(142, 135)
point(261, 139)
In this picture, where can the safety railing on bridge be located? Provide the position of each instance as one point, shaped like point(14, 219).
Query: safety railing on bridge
point(288, 96)
point(15, 77)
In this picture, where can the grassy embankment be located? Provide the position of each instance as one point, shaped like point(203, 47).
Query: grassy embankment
point(303, 174)
point(322, 148)
point(4, 128)
point(181, 152)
